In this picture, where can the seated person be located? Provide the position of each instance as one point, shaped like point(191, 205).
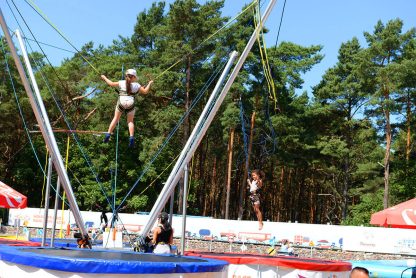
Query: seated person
point(163, 235)
point(286, 247)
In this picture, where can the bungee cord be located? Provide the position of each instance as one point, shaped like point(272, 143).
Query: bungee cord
point(173, 131)
point(158, 76)
point(24, 121)
point(38, 11)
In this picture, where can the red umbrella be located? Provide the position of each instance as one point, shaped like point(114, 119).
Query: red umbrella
point(10, 198)
point(402, 215)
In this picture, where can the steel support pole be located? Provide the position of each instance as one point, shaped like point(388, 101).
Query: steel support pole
point(45, 127)
point(46, 212)
point(184, 205)
point(55, 213)
point(203, 123)
point(172, 180)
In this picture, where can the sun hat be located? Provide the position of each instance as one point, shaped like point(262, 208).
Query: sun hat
point(131, 72)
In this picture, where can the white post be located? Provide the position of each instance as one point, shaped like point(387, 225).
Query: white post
point(46, 212)
point(184, 206)
point(174, 176)
point(44, 124)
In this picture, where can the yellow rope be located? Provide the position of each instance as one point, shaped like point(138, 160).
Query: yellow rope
point(38, 10)
point(141, 193)
point(30, 2)
point(265, 60)
point(207, 39)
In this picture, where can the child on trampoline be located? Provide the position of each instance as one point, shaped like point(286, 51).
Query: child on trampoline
point(255, 185)
point(128, 90)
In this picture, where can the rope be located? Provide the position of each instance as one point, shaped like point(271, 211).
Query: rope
point(243, 130)
point(173, 131)
point(116, 166)
point(19, 107)
point(265, 60)
point(75, 136)
point(24, 121)
point(61, 130)
point(35, 8)
point(56, 102)
point(207, 39)
point(280, 24)
point(26, 128)
point(151, 184)
point(38, 11)
point(53, 46)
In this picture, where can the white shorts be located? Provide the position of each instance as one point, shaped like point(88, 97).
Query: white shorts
point(126, 101)
point(162, 249)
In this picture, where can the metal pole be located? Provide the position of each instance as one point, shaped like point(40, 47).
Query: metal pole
point(45, 127)
point(199, 132)
point(167, 188)
point(58, 188)
point(185, 203)
point(46, 212)
point(172, 202)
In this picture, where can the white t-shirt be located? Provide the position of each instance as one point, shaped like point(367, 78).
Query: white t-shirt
point(135, 87)
point(253, 186)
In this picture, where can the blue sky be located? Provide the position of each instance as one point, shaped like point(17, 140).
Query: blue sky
point(305, 22)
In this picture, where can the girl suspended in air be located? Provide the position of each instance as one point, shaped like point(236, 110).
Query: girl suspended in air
point(255, 184)
point(128, 89)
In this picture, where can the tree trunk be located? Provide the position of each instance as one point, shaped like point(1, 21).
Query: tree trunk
point(213, 186)
point(312, 205)
point(279, 204)
point(408, 123)
point(387, 154)
point(229, 168)
point(186, 126)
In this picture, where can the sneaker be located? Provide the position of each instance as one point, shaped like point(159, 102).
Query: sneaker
point(131, 142)
point(107, 137)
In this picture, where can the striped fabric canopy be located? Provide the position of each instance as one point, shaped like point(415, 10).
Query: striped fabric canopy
point(10, 198)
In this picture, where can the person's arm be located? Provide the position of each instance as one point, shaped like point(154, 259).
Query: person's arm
point(171, 238)
point(108, 81)
point(259, 183)
point(249, 182)
point(145, 90)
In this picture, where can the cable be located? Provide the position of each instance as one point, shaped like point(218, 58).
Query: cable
point(35, 8)
point(38, 11)
point(23, 119)
point(86, 157)
point(173, 131)
point(280, 24)
point(74, 135)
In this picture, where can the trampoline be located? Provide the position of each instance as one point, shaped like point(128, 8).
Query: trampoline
point(61, 262)
point(278, 266)
point(16, 242)
point(64, 242)
point(388, 268)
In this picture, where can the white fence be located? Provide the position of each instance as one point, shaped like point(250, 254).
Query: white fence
point(367, 239)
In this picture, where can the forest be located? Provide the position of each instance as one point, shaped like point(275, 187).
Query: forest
point(335, 155)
